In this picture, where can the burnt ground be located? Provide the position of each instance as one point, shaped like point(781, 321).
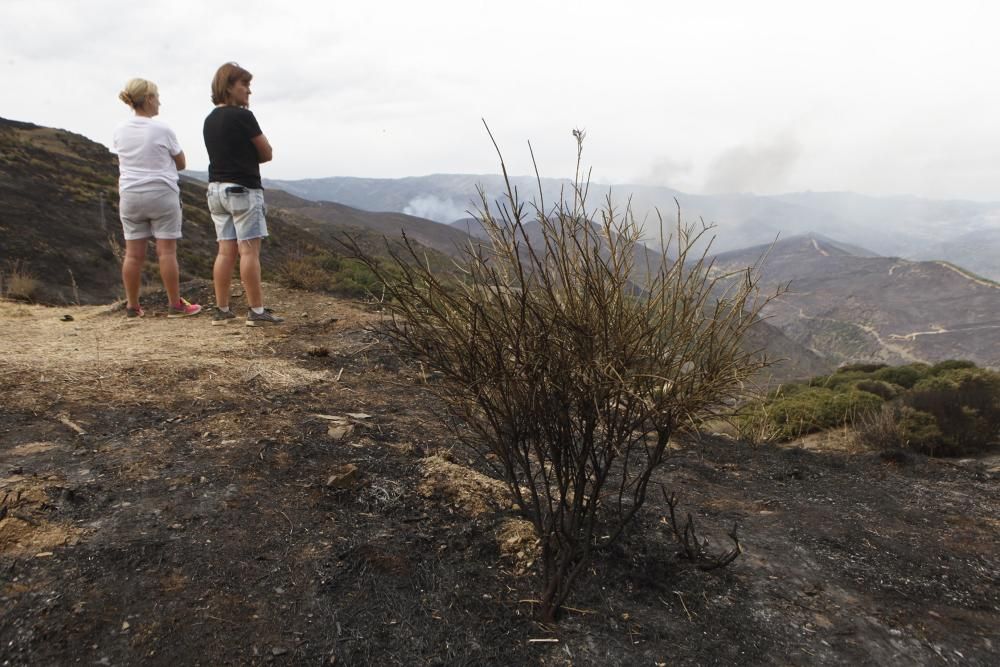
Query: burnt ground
point(177, 493)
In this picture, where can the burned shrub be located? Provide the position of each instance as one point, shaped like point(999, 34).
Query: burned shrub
point(571, 354)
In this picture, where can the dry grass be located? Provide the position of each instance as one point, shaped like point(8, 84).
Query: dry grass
point(17, 282)
point(467, 491)
point(102, 353)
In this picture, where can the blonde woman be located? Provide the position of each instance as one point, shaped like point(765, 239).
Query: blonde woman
point(149, 157)
point(236, 148)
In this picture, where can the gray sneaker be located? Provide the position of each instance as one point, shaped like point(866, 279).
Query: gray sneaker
point(263, 319)
point(222, 316)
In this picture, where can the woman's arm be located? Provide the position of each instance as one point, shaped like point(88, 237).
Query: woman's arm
point(180, 161)
point(263, 146)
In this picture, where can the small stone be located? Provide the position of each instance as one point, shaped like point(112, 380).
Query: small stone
point(277, 650)
point(339, 431)
point(125, 625)
point(344, 477)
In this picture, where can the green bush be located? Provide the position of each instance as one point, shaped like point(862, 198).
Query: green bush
point(949, 409)
point(880, 388)
point(840, 379)
point(965, 404)
point(904, 376)
point(918, 430)
point(951, 365)
point(786, 390)
point(863, 368)
point(303, 273)
point(320, 271)
point(899, 426)
point(352, 278)
point(819, 408)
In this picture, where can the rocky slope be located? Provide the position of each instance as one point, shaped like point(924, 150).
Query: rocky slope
point(852, 307)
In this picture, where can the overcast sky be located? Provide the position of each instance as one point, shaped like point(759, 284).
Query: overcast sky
point(874, 96)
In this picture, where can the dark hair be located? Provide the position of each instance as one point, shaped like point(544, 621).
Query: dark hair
point(225, 77)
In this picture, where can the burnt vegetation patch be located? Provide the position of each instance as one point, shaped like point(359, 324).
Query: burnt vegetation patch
point(196, 525)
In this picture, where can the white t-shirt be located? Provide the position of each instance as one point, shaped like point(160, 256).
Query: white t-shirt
point(145, 148)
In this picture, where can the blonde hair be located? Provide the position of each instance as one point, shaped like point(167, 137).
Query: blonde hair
point(227, 75)
point(136, 91)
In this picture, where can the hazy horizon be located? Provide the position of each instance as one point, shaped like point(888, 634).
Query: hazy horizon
point(881, 99)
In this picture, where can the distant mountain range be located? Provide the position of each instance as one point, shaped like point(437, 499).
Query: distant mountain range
point(58, 218)
point(962, 232)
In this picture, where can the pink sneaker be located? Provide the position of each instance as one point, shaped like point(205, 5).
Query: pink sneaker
point(184, 309)
point(134, 312)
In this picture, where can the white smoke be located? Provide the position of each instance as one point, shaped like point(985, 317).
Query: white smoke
point(760, 167)
point(434, 208)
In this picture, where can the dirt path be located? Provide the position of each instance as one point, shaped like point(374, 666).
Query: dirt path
point(177, 493)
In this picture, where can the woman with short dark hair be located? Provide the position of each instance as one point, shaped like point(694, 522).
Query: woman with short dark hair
point(236, 148)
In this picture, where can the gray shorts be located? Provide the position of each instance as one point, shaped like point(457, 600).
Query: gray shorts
point(155, 213)
point(238, 212)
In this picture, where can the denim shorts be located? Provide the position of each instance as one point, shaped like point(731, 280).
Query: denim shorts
point(238, 212)
point(155, 213)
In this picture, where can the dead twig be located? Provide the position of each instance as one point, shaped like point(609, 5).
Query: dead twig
point(291, 526)
point(681, 597)
point(64, 419)
point(694, 549)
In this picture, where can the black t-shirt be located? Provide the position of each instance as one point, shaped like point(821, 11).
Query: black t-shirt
point(232, 157)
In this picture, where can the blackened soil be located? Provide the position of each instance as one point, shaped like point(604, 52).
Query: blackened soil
point(204, 516)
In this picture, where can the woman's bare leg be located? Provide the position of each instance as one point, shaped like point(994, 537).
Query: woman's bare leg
point(135, 257)
point(222, 272)
point(250, 272)
point(166, 253)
